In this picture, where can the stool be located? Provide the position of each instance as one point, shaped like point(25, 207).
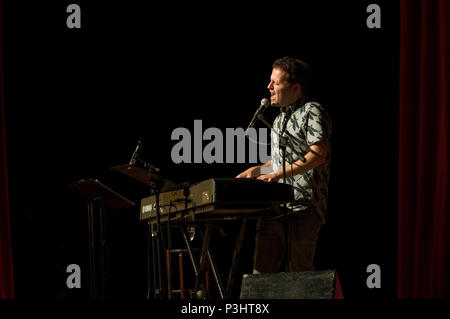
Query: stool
point(181, 291)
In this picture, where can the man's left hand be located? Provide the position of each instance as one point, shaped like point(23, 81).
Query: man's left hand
point(272, 177)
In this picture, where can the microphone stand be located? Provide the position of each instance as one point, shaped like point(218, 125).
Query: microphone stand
point(283, 144)
point(160, 247)
point(159, 293)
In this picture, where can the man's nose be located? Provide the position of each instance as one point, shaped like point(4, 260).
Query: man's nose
point(270, 85)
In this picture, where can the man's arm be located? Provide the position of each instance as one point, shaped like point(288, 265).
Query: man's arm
point(254, 171)
point(315, 157)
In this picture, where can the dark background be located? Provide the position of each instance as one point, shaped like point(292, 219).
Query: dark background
point(78, 100)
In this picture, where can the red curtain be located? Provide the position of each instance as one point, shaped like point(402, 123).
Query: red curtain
point(423, 199)
point(6, 266)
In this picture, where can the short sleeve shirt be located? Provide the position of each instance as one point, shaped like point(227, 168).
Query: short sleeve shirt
point(308, 123)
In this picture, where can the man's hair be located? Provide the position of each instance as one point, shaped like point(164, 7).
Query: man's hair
point(296, 70)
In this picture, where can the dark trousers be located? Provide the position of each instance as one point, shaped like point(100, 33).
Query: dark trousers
point(270, 246)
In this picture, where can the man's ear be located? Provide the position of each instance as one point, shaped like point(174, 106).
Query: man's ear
point(298, 88)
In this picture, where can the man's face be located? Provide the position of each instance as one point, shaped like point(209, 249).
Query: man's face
point(282, 93)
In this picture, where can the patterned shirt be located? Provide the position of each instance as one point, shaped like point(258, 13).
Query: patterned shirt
point(308, 123)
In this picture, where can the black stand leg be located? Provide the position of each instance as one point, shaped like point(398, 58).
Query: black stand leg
point(195, 267)
point(160, 252)
point(187, 242)
point(217, 279)
point(151, 249)
point(102, 251)
point(213, 268)
point(199, 285)
point(98, 268)
point(92, 255)
point(235, 260)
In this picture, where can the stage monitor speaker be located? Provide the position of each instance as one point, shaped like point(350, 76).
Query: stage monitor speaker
point(322, 284)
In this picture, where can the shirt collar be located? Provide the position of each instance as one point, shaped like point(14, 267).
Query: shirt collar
point(294, 106)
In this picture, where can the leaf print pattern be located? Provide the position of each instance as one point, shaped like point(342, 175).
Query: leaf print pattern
point(294, 121)
point(310, 123)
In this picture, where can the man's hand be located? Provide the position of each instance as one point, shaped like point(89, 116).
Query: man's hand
point(254, 171)
point(272, 177)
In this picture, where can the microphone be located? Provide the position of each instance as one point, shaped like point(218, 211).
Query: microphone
point(137, 151)
point(264, 104)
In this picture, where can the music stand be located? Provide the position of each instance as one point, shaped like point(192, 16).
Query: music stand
point(145, 177)
point(100, 198)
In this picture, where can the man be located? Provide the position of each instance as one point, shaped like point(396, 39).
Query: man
point(308, 128)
